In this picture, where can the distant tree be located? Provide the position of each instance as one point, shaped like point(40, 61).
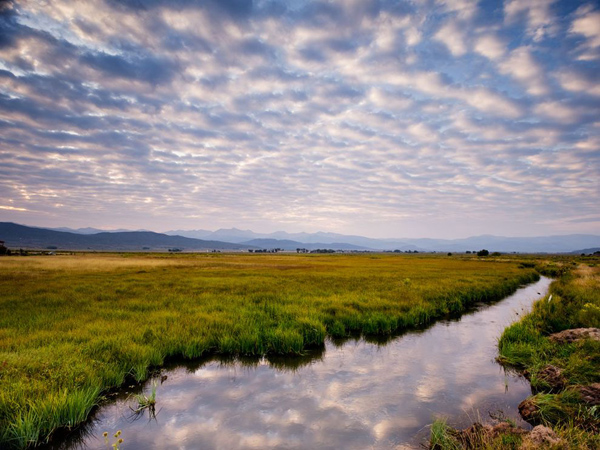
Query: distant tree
point(449, 254)
point(483, 252)
point(468, 252)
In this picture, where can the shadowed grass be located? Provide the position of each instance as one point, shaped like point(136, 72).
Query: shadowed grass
point(72, 327)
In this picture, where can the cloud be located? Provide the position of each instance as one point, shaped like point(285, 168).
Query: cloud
point(557, 111)
point(581, 81)
point(522, 66)
point(452, 37)
point(490, 46)
point(587, 23)
point(537, 13)
point(463, 9)
point(351, 116)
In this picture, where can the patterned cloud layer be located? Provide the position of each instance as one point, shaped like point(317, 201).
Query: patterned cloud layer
point(384, 118)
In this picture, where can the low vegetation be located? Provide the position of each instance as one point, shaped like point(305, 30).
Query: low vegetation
point(564, 372)
point(73, 327)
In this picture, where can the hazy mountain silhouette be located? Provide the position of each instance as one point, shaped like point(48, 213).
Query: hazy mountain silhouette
point(236, 239)
point(20, 236)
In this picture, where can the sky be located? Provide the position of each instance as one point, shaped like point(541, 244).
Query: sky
point(422, 118)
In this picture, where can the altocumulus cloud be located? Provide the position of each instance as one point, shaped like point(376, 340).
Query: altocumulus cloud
point(388, 118)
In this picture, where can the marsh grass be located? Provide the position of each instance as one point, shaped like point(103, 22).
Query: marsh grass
point(441, 437)
point(573, 302)
point(146, 401)
point(73, 327)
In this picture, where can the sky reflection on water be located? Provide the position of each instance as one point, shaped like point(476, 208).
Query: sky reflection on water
point(351, 395)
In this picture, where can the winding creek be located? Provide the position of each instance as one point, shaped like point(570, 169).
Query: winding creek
point(355, 394)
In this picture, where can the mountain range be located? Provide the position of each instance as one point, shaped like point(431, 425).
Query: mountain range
point(20, 236)
point(539, 244)
point(236, 239)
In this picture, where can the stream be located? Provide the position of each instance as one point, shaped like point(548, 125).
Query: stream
point(353, 394)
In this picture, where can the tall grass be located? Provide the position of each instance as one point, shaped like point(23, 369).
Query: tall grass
point(573, 302)
point(72, 327)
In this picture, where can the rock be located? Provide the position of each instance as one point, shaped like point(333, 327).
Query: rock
point(529, 410)
point(543, 437)
point(576, 334)
point(553, 377)
point(590, 394)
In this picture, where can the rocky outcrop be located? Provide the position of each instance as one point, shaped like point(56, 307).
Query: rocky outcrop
point(576, 334)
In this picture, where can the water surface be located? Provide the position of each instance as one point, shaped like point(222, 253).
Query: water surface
point(353, 395)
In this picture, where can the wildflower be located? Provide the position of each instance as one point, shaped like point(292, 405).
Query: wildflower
point(105, 434)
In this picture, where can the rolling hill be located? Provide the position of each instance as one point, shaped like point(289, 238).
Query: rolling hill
point(20, 236)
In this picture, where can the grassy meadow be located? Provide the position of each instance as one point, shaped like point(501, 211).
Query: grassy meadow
point(74, 326)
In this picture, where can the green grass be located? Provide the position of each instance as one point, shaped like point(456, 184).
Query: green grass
point(72, 327)
point(573, 302)
point(441, 437)
point(146, 401)
point(444, 437)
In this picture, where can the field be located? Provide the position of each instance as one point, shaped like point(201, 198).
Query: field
point(74, 326)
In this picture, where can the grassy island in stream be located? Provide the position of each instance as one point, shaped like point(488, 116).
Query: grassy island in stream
point(72, 327)
point(564, 375)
